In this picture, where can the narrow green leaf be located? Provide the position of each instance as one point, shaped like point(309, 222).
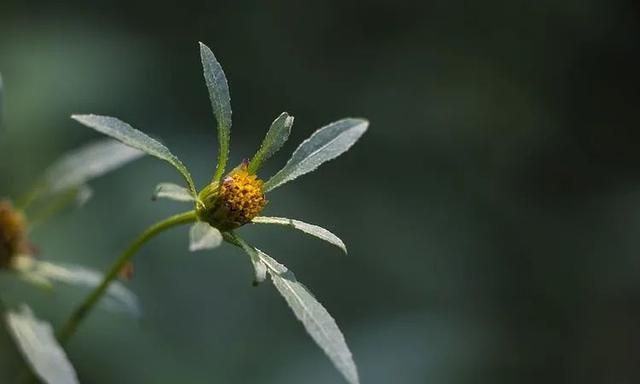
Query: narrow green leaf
point(77, 167)
point(130, 136)
point(310, 229)
point(259, 267)
point(203, 236)
point(220, 102)
point(274, 140)
point(38, 345)
point(325, 144)
point(118, 297)
point(317, 321)
point(172, 192)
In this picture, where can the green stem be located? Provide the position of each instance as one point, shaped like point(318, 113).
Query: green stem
point(65, 333)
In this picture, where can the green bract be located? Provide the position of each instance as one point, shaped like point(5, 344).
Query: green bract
point(231, 201)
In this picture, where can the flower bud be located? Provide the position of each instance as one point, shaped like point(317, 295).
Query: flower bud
point(234, 201)
point(13, 239)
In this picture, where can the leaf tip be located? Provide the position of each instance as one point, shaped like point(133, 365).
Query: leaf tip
point(82, 118)
point(362, 124)
point(204, 49)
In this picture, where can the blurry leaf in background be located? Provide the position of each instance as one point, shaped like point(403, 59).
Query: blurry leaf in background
point(38, 344)
point(1, 103)
point(93, 160)
point(44, 273)
point(83, 195)
point(64, 182)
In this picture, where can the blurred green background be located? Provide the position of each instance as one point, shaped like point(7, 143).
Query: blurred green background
point(492, 211)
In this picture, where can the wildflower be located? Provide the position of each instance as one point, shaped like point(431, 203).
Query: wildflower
point(233, 202)
point(237, 198)
point(13, 240)
point(62, 184)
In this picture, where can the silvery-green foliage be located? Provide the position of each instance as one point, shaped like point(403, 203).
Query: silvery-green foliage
point(130, 136)
point(323, 145)
point(218, 88)
point(44, 273)
point(307, 228)
point(36, 341)
point(83, 194)
point(172, 192)
point(203, 236)
point(274, 140)
point(317, 321)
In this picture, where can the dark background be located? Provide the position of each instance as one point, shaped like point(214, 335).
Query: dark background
point(492, 211)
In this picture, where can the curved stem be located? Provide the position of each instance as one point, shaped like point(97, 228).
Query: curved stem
point(65, 333)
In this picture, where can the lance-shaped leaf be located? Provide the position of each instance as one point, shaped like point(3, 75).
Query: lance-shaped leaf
point(130, 136)
point(220, 102)
point(315, 318)
point(79, 166)
point(259, 268)
point(307, 228)
point(38, 345)
point(325, 144)
point(118, 298)
point(172, 192)
point(203, 236)
point(274, 140)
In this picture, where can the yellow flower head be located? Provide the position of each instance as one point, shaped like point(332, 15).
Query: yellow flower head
point(13, 240)
point(233, 202)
